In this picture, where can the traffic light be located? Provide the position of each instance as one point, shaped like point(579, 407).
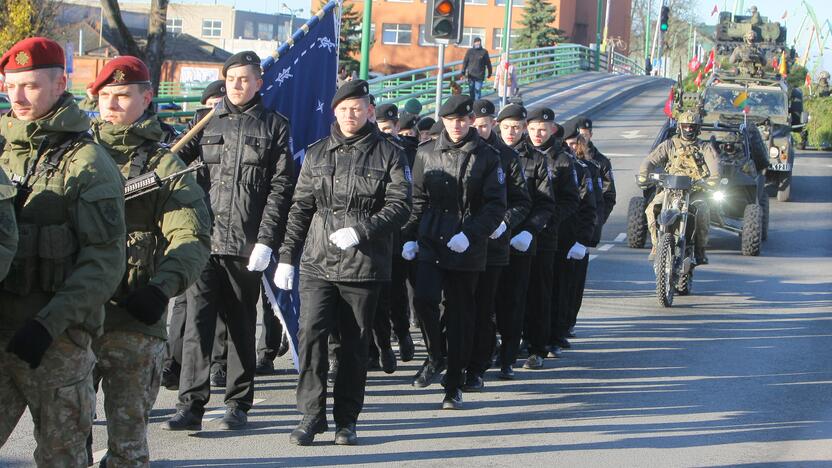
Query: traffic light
point(444, 21)
point(665, 17)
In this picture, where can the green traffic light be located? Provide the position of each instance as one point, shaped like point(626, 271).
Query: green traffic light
point(664, 27)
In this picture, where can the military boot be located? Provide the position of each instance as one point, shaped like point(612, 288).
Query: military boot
point(310, 426)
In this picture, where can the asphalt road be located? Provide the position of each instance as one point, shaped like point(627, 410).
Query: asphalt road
point(739, 373)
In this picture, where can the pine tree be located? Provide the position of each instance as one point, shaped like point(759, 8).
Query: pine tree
point(537, 30)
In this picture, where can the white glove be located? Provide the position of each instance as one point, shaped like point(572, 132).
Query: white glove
point(284, 276)
point(260, 257)
point(577, 252)
point(522, 241)
point(499, 231)
point(409, 250)
point(459, 243)
point(344, 238)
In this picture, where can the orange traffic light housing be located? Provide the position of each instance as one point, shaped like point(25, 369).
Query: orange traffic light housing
point(444, 19)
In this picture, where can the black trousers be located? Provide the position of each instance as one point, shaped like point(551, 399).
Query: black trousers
point(485, 328)
point(539, 303)
point(563, 287)
point(382, 328)
point(269, 342)
point(400, 299)
point(176, 330)
point(458, 289)
point(511, 306)
point(347, 308)
point(219, 355)
point(581, 269)
point(224, 288)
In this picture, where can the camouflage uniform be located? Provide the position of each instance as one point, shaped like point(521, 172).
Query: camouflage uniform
point(167, 246)
point(8, 225)
point(822, 88)
point(68, 263)
point(748, 56)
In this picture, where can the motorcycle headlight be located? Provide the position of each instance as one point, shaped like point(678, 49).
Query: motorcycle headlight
point(773, 152)
point(719, 195)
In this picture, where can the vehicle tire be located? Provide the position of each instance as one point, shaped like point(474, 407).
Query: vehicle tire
point(784, 188)
point(766, 206)
point(685, 284)
point(665, 286)
point(636, 223)
point(752, 230)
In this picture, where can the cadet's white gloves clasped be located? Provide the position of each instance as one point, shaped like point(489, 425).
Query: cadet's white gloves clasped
point(522, 241)
point(344, 238)
point(260, 257)
point(459, 243)
point(577, 252)
point(284, 277)
point(409, 250)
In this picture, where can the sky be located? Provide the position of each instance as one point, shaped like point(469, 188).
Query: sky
point(773, 9)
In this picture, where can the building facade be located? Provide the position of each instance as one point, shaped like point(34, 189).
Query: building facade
point(398, 28)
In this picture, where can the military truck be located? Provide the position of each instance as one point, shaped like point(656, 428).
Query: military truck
point(771, 36)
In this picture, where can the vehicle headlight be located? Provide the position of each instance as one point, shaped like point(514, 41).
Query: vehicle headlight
point(773, 152)
point(719, 195)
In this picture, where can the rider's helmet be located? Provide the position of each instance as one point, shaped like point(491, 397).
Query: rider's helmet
point(824, 75)
point(750, 37)
point(689, 123)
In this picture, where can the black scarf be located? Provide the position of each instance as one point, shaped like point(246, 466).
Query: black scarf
point(341, 138)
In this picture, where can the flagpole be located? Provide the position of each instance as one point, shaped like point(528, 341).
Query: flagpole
point(647, 29)
point(303, 30)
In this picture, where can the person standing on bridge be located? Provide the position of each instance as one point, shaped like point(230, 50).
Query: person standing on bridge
point(476, 66)
point(352, 194)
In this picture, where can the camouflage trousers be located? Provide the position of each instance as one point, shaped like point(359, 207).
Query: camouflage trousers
point(129, 370)
point(59, 394)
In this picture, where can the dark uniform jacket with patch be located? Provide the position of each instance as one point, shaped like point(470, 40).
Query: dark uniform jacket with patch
point(251, 171)
point(607, 180)
point(457, 187)
point(539, 185)
point(362, 182)
point(565, 184)
point(517, 199)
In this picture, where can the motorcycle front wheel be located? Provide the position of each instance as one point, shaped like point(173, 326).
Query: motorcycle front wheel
point(665, 283)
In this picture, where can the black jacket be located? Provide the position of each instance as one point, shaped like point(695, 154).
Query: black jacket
point(565, 184)
point(251, 171)
point(362, 183)
point(476, 63)
point(456, 188)
point(539, 184)
point(607, 180)
point(517, 199)
point(580, 226)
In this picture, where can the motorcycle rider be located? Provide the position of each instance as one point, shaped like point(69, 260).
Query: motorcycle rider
point(683, 154)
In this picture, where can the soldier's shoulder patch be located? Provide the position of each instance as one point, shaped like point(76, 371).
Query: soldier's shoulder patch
point(574, 175)
point(408, 175)
point(550, 173)
point(501, 175)
point(589, 184)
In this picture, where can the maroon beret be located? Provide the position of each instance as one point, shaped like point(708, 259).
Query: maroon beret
point(124, 70)
point(31, 54)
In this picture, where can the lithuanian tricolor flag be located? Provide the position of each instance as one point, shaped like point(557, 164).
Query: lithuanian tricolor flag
point(739, 101)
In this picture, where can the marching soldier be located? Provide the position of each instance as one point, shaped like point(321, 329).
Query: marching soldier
point(8, 224)
point(407, 125)
point(545, 135)
point(353, 193)
point(425, 125)
point(69, 261)
point(168, 242)
point(459, 199)
point(607, 181)
point(513, 288)
point(251, 169)
point(519, 204)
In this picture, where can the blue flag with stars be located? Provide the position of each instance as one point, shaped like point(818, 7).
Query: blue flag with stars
point(300, 85)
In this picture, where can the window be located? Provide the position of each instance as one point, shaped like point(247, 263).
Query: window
point(468, 35)
point(396, 33)
point(359, 32)
point(211, 28)
point(476, 2)
point(265, 31)
point(423, 39)
point(515, 3)
point(174, 25)
point(248, 30)
point(498, 37)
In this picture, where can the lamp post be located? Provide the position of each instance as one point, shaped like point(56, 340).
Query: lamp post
point(294, 12)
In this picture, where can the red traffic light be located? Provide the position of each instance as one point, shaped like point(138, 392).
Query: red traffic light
point(445, 7)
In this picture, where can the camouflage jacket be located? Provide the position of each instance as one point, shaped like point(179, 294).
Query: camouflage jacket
point(8, 225)
point(697, 159)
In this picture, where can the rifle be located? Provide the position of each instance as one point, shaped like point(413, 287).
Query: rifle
point(22, 185)
point(150, 181)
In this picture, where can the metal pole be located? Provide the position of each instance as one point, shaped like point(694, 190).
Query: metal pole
point(647, 29)
point(506, 50)
point(365, 40)
point(101, 27)
point(80, 42)
point(606, 25)
point(439, 73)
point(598, 20)
point(656, 36)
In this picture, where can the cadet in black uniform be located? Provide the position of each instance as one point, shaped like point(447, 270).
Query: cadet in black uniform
point(459, 199)
point(571, 258)
point(545, 135)
point(519, 204)
point(605, 168)
point(513, 288)
point(425, 125)
point(251, 169)
point(352, 194)
point(407, 125)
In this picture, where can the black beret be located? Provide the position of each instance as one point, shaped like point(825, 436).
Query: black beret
point(457, 106)
point(351, 90)
point(215, 89)
point(543, 114)
point(425, 123)
point(512, 111)
point(584, 122)
point(246, 57)
point(484, 108)
point(437, 128)
point(570, 129)
point(407, 120)
point(386, 112)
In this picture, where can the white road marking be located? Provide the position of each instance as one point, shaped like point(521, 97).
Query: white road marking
point(631, 134)
point(621, 155)
point(605, 247)
point(620, 237)
point(592, 257)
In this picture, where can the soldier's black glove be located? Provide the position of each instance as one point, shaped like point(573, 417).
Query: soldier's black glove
point(147, 304)
point(30, 343)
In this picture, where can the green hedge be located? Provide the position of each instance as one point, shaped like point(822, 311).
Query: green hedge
point(820, 123)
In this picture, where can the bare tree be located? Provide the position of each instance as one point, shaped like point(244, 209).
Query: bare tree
point(153, 52)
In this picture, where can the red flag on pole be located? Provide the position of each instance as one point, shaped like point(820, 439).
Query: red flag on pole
point(785, 15)
point(694, 64)
point(668, 105)
point(698, 80)
point(808, 81)
point(710, 65)
point(715, 10)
